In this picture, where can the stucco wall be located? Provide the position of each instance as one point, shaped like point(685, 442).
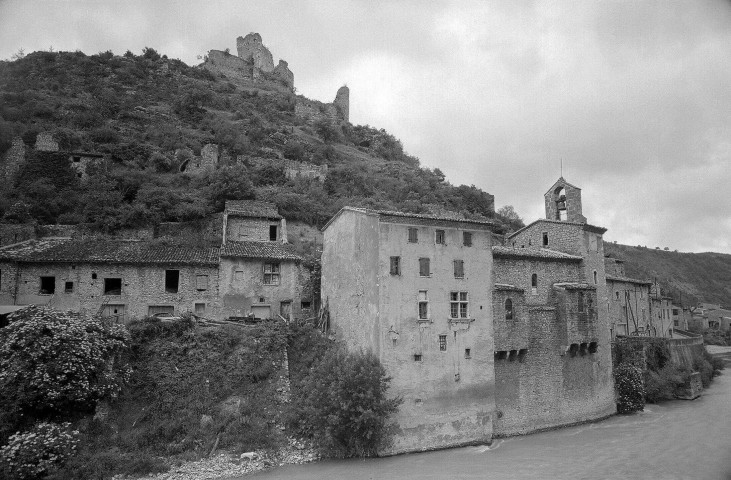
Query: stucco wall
point(448, 395)
point(142, 287)
point(242, 291)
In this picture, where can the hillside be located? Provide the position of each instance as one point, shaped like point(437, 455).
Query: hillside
point(687, 277)
point(151, 117)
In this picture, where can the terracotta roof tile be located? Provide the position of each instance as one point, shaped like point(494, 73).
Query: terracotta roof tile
point(266, 250)
point(107, 251)
point(252, 208)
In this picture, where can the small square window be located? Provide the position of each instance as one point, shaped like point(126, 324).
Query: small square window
point(69, 287)
point(417, 357)
point(467, 353)
point(112, 286)
point(48, 285)
point(395, 265)
point(467, 239)
point(413, 235)
point(443, 343)
point(440, 237)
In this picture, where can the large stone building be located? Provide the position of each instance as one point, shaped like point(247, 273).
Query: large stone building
point(481, 340)
point(254, 273)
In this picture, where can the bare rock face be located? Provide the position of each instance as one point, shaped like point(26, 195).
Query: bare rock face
point(342, 102)
point(251, 48)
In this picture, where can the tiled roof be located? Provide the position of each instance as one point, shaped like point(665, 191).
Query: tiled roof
point(64, 250)
point(533, 253)
point(252, 208)
point(508, 287)
point(616, 278)
point(266, 250)
point(575, 286)
point(421, 218)
point(584, 226)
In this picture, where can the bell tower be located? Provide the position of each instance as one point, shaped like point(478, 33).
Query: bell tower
point(563, 202)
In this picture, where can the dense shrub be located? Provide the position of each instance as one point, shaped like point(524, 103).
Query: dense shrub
point(630, 388)
point(663, 384)
point(342, 405)
point(35, 453)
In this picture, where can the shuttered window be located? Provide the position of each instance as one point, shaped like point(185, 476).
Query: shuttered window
point(458, 269)
point(424, 267)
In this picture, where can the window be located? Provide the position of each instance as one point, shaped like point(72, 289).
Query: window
point(271, 274)
point(413, 235)
point(545, 239)
point(112, 286)
point(423, 305)
point(395, 265)
point(458, 304)
point(239, 275)
point(48, 285)
point(458, 269)
point(285, 309)
point(617, 294)
point(508, 309)
point(93, 275)
point(440, 237)
point(581, 302)
point(467, 353)
point(595, 278)
point(77, 159)
point(200, 308)
point(417, 357)
point(467, 239)
point(534, 284)
point(273, 233)
point(424, 267)
point(305, 304)
point(201, 282)
point(443, 343)
point(155, 309)
point(69, 287)
point(172, 280)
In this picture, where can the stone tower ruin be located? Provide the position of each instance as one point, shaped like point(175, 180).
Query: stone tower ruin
point(342, 102)
point(251, 48)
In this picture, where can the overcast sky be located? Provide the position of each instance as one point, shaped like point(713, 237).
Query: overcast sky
point(634, 97)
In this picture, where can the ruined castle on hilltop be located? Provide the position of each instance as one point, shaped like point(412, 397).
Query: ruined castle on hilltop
point(254, 63)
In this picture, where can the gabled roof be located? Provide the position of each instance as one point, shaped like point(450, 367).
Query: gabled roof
point(560, 181)
point(264, 250)
point(65, 250)
point(508, 287)
point(252, 208)
point(420, 217)
point(533, 254)
point(575, 286)
point(585, 226)
point(617, 278)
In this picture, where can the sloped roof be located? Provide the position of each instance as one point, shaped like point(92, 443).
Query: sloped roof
point(508, 287)
point(533, 254)
point(617, 278)
point(585, 226)
point(575, 286)
point(432, 219)
point(64, 250)
point(252, 208)
point(265, 250)
point(560, 181)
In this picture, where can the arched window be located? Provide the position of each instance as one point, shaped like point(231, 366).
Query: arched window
point(508, 309)
point(595, 278)
point(534, 283)
point(581, 302)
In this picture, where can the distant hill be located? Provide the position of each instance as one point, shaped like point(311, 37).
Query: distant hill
point(152, 117)
point(687, 277)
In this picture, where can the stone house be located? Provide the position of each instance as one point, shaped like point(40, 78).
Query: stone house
point(254, 273)
point(532, 350)
point(629, 305)
point(416, 291)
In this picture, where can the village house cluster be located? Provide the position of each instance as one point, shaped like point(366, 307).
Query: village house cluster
point(484, 334)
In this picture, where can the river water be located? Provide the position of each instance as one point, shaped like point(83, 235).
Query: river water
point(673, 440)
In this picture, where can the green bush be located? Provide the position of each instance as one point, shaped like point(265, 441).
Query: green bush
point(630, 388)
point(57, 365)
point(342, 405)
point(33, 454)
point(663, 384)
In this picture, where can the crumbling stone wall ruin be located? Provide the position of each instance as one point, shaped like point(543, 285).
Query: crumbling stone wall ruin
point(46, 143)
point(251, 49)
point(314, 111)
point(207, 162)
point(14, 158)
point(293, 169)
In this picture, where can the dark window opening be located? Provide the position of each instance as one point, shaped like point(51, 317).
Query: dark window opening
point(467, 239)
point(273, 233)
point(521, 354)
point(172, 281)
point(69, 287)
point(573, 349)
point(592, 347)
point(417, 357)
point(501, 355)
point(113, 286)
point(508, 309)
point(93, 275)
point(423, 305)
point(467, 353)
point(440, 237)
point(459, 269)
point(424, 267)
point(534, 284)
point(512, 355)
point(395, 265)
point(443, 343)
point(583, 349)
point(413, 235)
point(48, 285)
point(595, 278)
point(545, 239)
point(77, 159)
point(305, 304)
point(581, 302)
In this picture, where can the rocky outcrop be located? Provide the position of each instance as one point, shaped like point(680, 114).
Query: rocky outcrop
point(285, 74)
